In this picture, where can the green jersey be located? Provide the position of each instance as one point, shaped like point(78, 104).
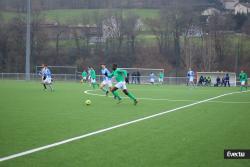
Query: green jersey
point(92, 74)
point(84, 74)
point(243, 76)
point(161, 75)
point(119, 75)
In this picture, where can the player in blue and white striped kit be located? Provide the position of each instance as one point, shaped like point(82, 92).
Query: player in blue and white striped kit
point(48, 77)
point(42, 74)
point(107, 82)
point(190, 76)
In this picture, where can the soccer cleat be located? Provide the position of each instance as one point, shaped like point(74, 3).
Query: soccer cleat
point(107, 93)
point(135, 102)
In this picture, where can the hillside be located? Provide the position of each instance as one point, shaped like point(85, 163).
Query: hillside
point(19, 5)
point(77, 16)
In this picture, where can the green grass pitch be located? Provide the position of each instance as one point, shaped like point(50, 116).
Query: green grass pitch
point(190, 137)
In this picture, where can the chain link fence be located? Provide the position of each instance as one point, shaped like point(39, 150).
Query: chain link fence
point(77, 77)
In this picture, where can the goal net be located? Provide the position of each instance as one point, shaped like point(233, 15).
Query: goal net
point(142, 75)
point(214, 75)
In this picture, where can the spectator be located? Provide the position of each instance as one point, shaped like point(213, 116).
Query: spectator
point(217, 82)
point(205, 81)
point(138, 74)
point(227, 79)
point(209, 81)
point(223, 81)
point(127, 78)
point(201, 80)
point(133, 78)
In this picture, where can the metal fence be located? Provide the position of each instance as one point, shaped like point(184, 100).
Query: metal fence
point(33, 76)
point(77, 77)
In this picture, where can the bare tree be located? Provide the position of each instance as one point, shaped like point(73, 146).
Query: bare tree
point(39, 38)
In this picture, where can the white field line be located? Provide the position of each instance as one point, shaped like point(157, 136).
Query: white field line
point(90, 92)
point(108, 129)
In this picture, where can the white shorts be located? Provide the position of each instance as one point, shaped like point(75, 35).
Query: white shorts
point(107, 83)
point(243, 83)
point(191, 79)
point(84, 78)
point(160, 79)
point(93, 80)
point(121, 85)
point(152, 80)
point(48, 80)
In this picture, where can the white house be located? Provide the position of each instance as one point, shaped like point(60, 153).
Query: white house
point(194, 31)
point(229, 4)
point(242, 8)
point(210, 12)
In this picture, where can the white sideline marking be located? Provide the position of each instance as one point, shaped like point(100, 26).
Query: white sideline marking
point(89, 92)
point(108, 129)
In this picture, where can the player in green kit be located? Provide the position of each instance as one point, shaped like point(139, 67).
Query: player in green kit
point(93, 77)
point(120, 76)
point(243, 80)
point(161, 77)
point(84, 76)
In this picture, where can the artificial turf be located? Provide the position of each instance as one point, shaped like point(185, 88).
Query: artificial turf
point(194, 136)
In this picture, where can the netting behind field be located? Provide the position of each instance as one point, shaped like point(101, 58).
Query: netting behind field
point(142, 75)
point(59, 69)
point(77, 77)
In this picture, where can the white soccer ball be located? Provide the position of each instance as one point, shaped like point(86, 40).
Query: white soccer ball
point(87, 102)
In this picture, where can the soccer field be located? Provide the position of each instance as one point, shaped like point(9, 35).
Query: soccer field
point(183, 135)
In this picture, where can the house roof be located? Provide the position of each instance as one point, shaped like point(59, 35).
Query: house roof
point(243, 4)
point(210, 11)
point(246, 5)
point(230, 1)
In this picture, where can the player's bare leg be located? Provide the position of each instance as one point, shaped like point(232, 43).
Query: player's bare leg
point(51, 88)
point(44, 86)
point(102, 87)
point(43, 83)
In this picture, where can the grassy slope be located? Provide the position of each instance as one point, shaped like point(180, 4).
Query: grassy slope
point(195, 136)
point(66, 15)
point(75, 16)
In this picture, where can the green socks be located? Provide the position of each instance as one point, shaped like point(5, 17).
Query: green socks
point(115, 93)
point(131, 96)
point(94, 85)
point(241, 88)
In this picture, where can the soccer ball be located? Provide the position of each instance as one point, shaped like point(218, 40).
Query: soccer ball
point(87, 102)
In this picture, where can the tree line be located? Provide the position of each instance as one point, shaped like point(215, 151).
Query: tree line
point(178, 39)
